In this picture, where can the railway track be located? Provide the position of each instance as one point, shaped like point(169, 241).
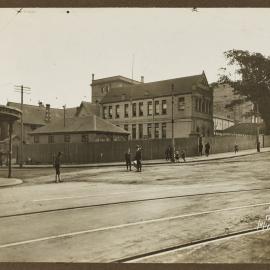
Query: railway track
point(130, 201)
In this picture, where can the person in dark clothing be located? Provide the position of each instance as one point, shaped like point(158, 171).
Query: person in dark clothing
point(1, 161)
point(236, 148)
point(207, 149)
point(258, 146)
point(57, 164)
point(138, 158)
point(183, 155)
point(177, 156)
point(168, 153)
point(128, 159)
point(200, 149)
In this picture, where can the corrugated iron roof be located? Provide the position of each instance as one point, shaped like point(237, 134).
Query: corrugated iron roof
point(80, 124)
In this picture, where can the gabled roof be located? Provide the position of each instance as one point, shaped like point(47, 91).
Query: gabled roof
point(245, 128)
point(114, 78)
point(182, 85)
point(80, 124)
point(89, 108)
point(35, 115)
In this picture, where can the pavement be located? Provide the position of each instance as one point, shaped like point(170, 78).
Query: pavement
point(5, 182)
point(12, 181)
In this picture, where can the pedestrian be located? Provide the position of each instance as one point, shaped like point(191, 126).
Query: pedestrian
point(168, 153)
point(207, 149)
point(128, 159)
point(138, 158)
point(236, 148)
point(1, 161)
point(258, 146)
point(200, 149)
point(177, 156)
point(57, 164)
point(183, 155)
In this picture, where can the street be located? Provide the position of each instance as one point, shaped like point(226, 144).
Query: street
point(171, 213)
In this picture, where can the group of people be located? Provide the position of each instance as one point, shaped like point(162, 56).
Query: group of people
point(206, 149)
point(137, 163)
point(174, 155)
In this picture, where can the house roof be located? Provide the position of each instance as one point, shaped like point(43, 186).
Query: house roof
point(80, 124)
point(182, 85)
point(114, 78)
point(245, 128)
point(35, 115)
point(90, 108)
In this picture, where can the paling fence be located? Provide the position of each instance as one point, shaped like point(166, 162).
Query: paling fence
point(79, 153)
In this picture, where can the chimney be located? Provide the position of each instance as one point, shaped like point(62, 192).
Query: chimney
point(93, 77)
point(47, 113)
point(40, 104)
point(142, 79)
point(95, 122)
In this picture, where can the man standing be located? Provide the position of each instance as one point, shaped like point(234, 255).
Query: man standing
point(57, 163)
point(128, 159)
point(138, 158)
point(258, 146)
point(207, 149)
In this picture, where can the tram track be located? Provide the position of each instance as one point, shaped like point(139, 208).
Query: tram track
point(192, 244)
point(128, 202)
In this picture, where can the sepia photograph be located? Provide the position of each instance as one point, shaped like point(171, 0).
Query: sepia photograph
point(135, 135)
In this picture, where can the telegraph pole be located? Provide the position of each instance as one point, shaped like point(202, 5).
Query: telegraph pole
point(64, 107)
point(23, 90)
point(173, 142)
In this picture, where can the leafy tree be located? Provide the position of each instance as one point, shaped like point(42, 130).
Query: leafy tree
point(252, 82)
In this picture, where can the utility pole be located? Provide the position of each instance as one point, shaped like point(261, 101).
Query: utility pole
point(173, 143)
point(23, 90)
point(64, 107)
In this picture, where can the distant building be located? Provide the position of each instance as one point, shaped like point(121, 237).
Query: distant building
point(245, 112)
point(221, 123)
point(145, 109)
point(78, 130)
point(37, 116)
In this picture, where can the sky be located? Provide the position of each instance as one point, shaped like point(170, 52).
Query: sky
point(55, 51)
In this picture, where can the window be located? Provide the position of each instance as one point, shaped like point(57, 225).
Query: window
point(203, 106)
point(156, 107)
point(134, 109)
point(181, 104)
point(163, 130)
point(164, 106)
point(110, 112)
point(140, 131)
point(134, 132)
point(117, 111)
point(102, 90)
point(104, 112)
point(149, 107)
point(140, 108)
point(200, 105)
point(85, 138)
point(51, 139)
point(149, 130)
point(156, 130)
point(126, 127)
point(126, 110)
point(36, 139)
point(196, 104)
point(66, 138)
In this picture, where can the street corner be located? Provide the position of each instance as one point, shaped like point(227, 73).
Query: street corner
point(5, 182)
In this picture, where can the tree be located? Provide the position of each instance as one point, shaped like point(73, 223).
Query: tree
point(253, 80)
